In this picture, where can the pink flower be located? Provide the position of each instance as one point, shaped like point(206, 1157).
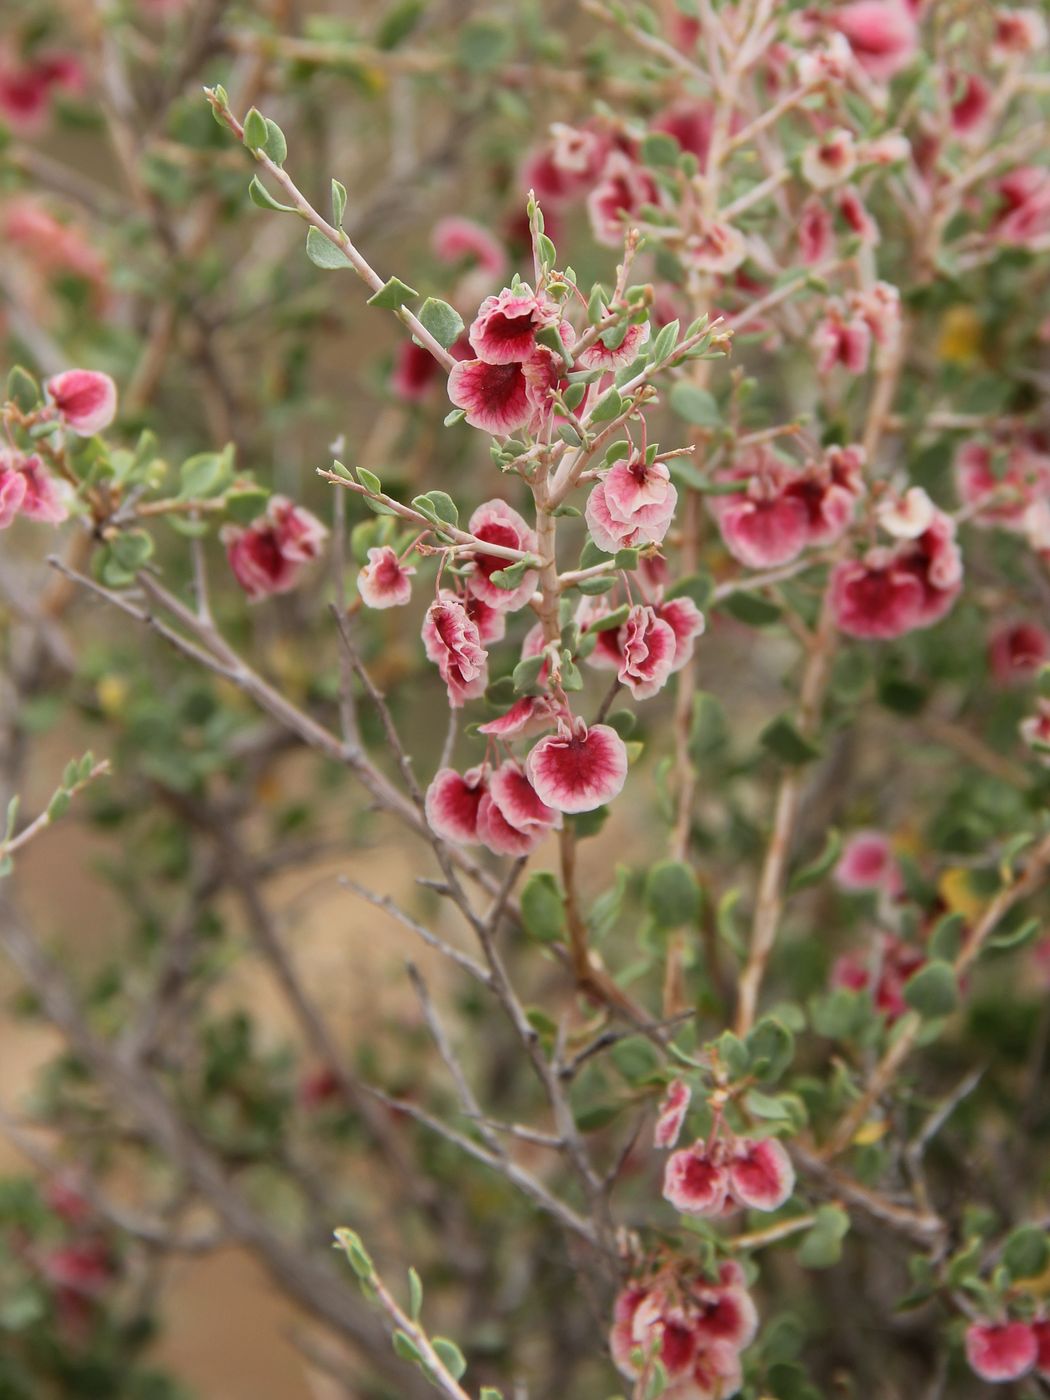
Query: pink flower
point(512, 820)
point(1001, 1351)
point(686, 621)
point(27, 488)
point(763, 526)
point(829, 160)
point(856, 217)
point(672, 1114)
point(828, 490)
point(696, 1181)
point(63, 1196)
point(529, 715)
point(86, 400)
point(269, 555)
point(453, 643)
point(504, 330)
point(906, 517)
point(677, 1321)
point(1024, 206)
point(1035, 731)
point(491, 622)
point(416, 371)
point(715, 247)
point(876, 597)
point(618, 197)
point(632, 504)
point(52, 245)
point(891, 963)
point(385, 582)
point(456, 239)
point(1016, 651)
point(842, 338)
point(27, 85)
point(84, 1267)
point(971, 101)
point(816, 235)
point(868, 863)
point(497, 523)
point(1041, 1329)
point(1017, 32)
point(691, 124)
point(882, 34)
point(648, 648)
point(494, 397)
point(452, 802)
point(761, 1176)
point(578, 768)
point(999, 487)
point(578, 152)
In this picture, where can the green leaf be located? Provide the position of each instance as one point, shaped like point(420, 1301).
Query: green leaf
point(437, 506)
point(23, 390)
point(658, 148)
point(246, 503)
point(482, 44)
point(406, 1348)
point(255, 131)
point(526, 675)
point(338, 202)
point(672, 894)
point(611, 620)
point(784, 742)
point(733, 1053)
point(11, 818)
point(275, 146)
point(370, 481)
point(261, 196)
point(1027, 1252)
point(608, 406)
point(695, 405)
point(456, 416)
point(323, 253)
point(349, 1241)
point(443, 322)
point(665, 342)
point(415, 1295)
point(1017, 937)
point(398, 23)
point(131, 549)
point(933, 990)
point(58, 806)
point(815, 871)
point(510, 577)
point(542, 907)
point(489, 1392)
point(452, 1358)
point(750, 609)
point(698, 587)
point(205, 474)
point(821, 1247)
point(946, 937)
point(771, 1048)
point(392, 294)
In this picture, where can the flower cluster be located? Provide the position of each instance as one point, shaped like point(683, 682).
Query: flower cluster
point(1006, 1351)
point(269, 555)
point(694, 1326)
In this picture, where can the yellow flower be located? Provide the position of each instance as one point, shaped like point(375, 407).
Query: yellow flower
point(960, 338)
point(111, 692)
point(959, 895)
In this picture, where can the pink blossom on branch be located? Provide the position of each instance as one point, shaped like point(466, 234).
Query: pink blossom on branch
point(1001, 1351)
point(504, 330)
point(868, 863)
point(85, 399)
point(384, 582)
point(27, 488)
point(633, 504)
point(882, 34)
point(672, 1114)
point(512, 819)
point(647, 647)
point(452, 641)
point(1017, 651)
point(452, 802)
point(497, 523)
point(456, 239)
point(579, 768)
point(269, 555)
